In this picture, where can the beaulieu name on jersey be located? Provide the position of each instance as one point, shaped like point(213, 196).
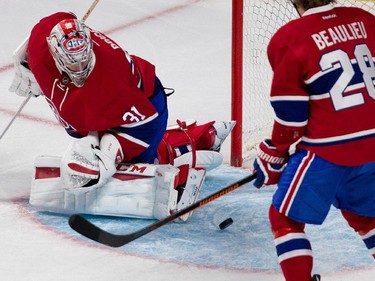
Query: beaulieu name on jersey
point(340, 33)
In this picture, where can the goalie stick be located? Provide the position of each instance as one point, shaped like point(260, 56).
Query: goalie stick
point(15, 115)
point(90, 9)
point(93, 232)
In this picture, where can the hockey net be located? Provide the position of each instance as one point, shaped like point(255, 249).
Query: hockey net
point(253, 24)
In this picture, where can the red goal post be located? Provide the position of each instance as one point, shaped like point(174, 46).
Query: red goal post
point(253, 24)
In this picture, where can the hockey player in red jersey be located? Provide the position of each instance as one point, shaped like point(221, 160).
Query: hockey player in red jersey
point(321, 151)
point(112, 102)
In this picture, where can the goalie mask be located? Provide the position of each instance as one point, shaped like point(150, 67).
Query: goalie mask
point(71, 47)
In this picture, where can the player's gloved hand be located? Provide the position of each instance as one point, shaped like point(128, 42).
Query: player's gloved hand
point(269, 164)
point(88, 163)
point(110, 154)
point(24, 82)
point(80, 166)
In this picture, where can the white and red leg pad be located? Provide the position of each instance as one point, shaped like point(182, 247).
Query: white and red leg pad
point(190, 188)
point(204, 159)
point(166, 194)
point(141, 190)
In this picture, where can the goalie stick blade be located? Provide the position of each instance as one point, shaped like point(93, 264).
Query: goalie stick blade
point(93, 232)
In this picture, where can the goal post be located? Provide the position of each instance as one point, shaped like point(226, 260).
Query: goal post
point(237, 78)
point(253, 24)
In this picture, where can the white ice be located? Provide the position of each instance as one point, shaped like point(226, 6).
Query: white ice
point(189, 42)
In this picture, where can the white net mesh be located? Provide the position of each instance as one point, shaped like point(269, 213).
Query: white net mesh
point(261, 19)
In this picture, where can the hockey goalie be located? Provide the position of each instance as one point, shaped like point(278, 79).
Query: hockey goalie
point(86, 181)
point(124, 161)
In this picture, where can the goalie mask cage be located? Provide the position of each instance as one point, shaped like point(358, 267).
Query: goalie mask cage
point(253, 24)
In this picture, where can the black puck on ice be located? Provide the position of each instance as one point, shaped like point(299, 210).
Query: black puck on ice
point(226, 223)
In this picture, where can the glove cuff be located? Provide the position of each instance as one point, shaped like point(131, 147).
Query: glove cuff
point(268, 153)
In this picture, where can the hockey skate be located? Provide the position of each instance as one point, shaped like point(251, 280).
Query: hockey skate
point(189, 192)
point(223, 129)
point(316, 277)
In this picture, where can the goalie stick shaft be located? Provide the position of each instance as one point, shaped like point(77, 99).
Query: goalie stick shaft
point(15, 115)
point(91, 8)
point(93, 232)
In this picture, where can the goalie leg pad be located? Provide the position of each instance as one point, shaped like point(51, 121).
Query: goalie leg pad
point(191, 190)
point(130, 192)
point(166, 194)
point(204, 159)
point(117, 198)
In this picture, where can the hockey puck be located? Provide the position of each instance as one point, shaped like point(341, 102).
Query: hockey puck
point(226, 223)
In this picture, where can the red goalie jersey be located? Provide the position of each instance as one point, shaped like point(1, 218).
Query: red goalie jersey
point(323, 91)
point(116, 93)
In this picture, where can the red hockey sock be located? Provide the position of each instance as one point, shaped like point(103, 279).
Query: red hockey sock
point(292, 247)
point(297, 268)
point(364, 226)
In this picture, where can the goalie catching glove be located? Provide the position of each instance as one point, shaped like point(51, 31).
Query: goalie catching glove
point(269, 164)
point(88, 164)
